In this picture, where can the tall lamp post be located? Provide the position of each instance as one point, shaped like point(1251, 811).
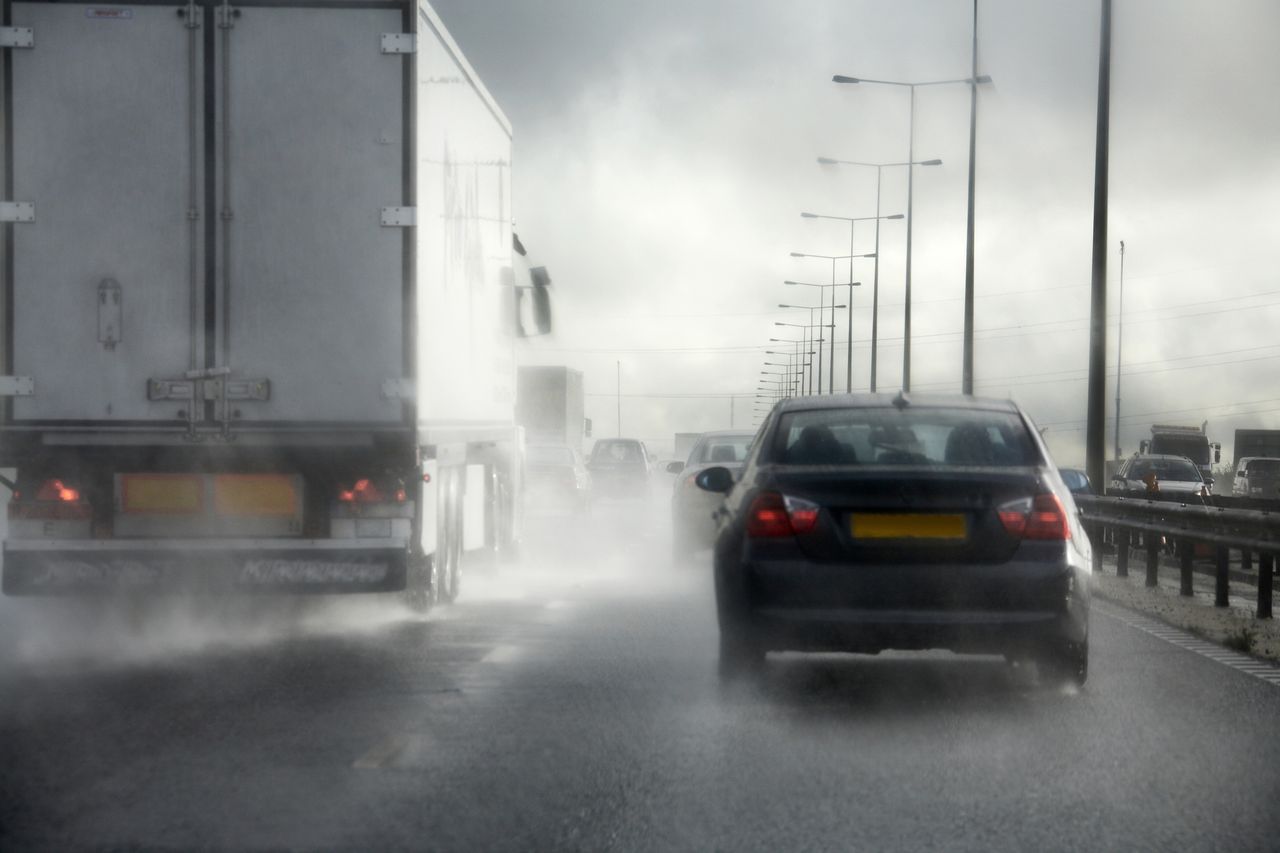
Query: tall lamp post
point(1119, 344)
point(875, 285)
point(853, 222)
point(801, 363)
point(851, 284)
point(911, 156)
point(831, 348)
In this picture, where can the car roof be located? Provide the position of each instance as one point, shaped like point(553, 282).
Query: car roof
point(727, 433)
point(867, 400)
point(1137, 456)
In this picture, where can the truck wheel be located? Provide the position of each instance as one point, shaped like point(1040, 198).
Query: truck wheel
point(420, 586)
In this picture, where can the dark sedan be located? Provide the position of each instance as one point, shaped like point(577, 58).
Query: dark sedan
point(867, 522)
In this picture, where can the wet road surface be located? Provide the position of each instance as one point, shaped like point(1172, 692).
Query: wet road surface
point(571, 702)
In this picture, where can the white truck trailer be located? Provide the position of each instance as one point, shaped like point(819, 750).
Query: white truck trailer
point(260, 302)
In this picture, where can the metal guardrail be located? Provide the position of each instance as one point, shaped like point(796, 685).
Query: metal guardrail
point(1249, 531)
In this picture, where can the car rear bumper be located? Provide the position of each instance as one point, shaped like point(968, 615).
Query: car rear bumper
point(205, 565)
point(983, 609)
point(970, 631)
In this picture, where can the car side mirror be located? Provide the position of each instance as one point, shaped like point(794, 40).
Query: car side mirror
point(717, 479)
point(675, 467)
point(1208, 481)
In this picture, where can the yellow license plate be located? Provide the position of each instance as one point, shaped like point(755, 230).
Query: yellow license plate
point(255, 494)
point(165, 494)
point(903, 525)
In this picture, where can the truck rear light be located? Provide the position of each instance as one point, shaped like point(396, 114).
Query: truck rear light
point(1042, 517)
point(366, 491)
point(56, 490)
point(54, 501)
point(773, 516)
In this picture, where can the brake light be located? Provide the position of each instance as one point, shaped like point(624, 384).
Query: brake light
point(365, 491)
point(55, 490)
point(1042, 517)
point(773, 515)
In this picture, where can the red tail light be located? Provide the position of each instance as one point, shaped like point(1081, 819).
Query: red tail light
point(54, 490)
point(366, 491)
point(773, 515)
point(1041, 517)
point(54, 500)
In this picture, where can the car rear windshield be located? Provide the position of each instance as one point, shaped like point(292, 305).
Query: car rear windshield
point(1264, 468)
point(914, 436)
point(1178, 470)
point(617, 451)
point(724, 448)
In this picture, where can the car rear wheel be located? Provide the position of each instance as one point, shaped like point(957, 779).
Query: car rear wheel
point(1068, 663)
point(741, 655)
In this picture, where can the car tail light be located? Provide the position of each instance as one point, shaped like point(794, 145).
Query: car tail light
point(773, 515)
point(1041, 517)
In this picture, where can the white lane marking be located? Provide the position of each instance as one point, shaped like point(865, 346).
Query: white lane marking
point(502, 654)
point(382, 753)
point(1260, 670)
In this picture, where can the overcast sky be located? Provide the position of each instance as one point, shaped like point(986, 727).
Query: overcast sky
point(664, 151)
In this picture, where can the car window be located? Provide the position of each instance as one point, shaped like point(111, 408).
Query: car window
point(722, 449)
point(916, 436)
point(617, 451)
point(1264, 468)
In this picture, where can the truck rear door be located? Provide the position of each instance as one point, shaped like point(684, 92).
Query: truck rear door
point(208, 214)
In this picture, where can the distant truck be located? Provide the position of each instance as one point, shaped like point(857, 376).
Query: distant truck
point(1188, 441)
point(260, 318)
point(684, 444)
point(1256, 442)
point(550, 406)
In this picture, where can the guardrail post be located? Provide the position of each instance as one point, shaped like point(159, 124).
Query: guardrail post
point(1221, 582)
point(1153, 557)
point(1246, 560)
point(1184, 563)
point(1122, 552)
point(1266, 563)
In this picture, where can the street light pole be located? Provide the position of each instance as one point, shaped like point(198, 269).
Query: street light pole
point(1119, 344)
point(875, 287)
point(911, 139)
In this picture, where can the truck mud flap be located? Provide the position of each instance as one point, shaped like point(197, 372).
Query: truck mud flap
point(78, 572)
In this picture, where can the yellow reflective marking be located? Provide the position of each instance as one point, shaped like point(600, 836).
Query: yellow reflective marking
point(898, 525)
point(254, 494)
point(161, 493)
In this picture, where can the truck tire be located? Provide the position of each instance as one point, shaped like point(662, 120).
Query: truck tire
point(419, 593)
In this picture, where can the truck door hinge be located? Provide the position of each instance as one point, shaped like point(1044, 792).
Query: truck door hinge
point(17, 211)
point(399, 43)
point(399, 217)
point(17, 386)
point(17, 37)
point(398, 389)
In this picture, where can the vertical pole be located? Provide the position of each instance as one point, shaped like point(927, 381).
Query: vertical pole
point(1184, 565)
point(1222, 577)
point(1119, 347)
point(619, 387)
point(848, 362)
point(831, 347)
point(1095, 441)
point(1266, 562)
point(1246, 560)
point(1122, 552)
point(730, 411)
point(966, 383)
point(906, 312)
point(1153, 557)
point(819, 342)
point(875, 283)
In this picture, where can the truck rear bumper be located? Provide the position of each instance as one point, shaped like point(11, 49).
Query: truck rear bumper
point(53, 567)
